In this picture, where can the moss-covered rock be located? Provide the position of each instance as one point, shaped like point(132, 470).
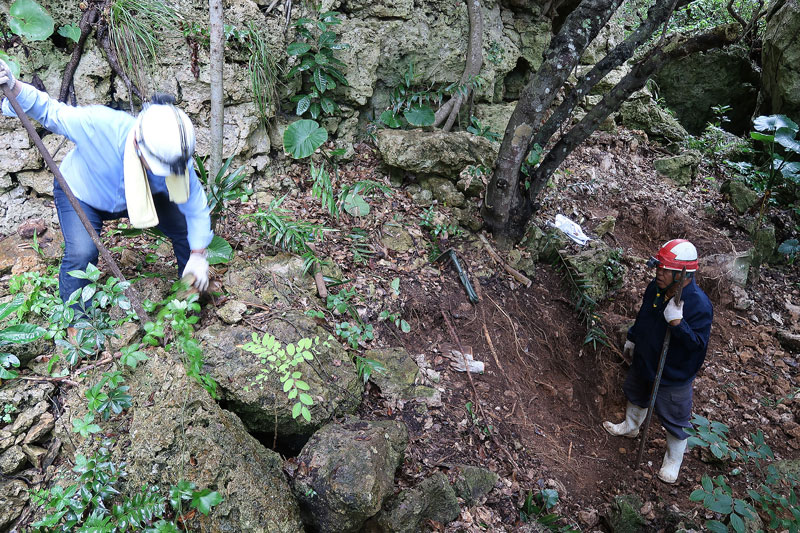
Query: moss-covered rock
point(472, 483)
point(346, 471)
point(642, 113)
point(624, 516)
point(682, 169)
point(399, 380)
point(741, 197)
point(432, 499)
point(599, 267)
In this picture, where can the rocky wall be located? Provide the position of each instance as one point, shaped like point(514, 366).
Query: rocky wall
point(385, 36)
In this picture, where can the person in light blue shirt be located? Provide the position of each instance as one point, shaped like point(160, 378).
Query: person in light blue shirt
point(139, 167)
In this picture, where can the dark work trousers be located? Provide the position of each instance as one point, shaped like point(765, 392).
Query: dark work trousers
point(673, 404)
point(79, 250)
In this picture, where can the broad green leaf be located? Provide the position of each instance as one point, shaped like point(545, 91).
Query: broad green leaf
point(296, 49)
point(30, 20)
point(785, 137)
point(296, 409)
point(302, 138)
point(21, 333)
point(390, 119)
point(70, 31)
point(306, 399)
point(315, 109)
point(707, 484)
point(761, 137)
point(404, 326)
point(8, 374)
point(302, 105)
point(737, 523)
point(288, 385)
point(320, 79)
point(306, 413)
point(420, 116)
point(219, 251)
point(204, 500)
point(9, 307)
point(355, 205)
point(774, 122)
point(697, 495)
point(723, 504)
point(715, 526)
point(13, 65)
point(328, 105)
point(302, 385)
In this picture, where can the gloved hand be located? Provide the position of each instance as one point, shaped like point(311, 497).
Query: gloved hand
point(6, 77)
point(627, 351)
point(197, 265)
point(673, 311)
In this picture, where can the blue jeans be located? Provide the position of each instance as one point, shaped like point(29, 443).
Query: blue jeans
point(79, 250)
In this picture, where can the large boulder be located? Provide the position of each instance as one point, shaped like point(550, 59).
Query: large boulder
point(741, 196)
point(693, 85)
point(267, 280)
point(682, 168)
point(599, 268)
point(435, 152)
point(346, 471)
point(780, 79)
point(176, 423)
point(263, 406)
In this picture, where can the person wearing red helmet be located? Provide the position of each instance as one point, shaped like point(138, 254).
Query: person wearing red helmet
point(690, 325)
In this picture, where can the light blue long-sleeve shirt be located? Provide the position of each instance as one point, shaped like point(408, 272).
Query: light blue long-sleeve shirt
point(94, 170)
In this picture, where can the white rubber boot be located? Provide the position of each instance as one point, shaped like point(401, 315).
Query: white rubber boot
point(634, 417)
point(672, 459)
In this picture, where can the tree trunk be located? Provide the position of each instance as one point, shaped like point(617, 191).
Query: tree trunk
point(87, 21)
point(217, 61)
point(448, 113)
point(505, 209)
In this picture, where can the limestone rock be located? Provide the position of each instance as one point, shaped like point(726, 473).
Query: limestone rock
point(17, 207)
point(13, 497)
point(333, 380)
point(346, 471)
point(472, 482)
point(40, 430)
point(444, 191)
point(764, 245)
point(399, 381)
point(28, 417)
point(435, 153)
point(780, 80)
point(495, 116)
point(175, 423)
point(741, 196)
point(232, 311)
point(642, 113)
point(249, 279)
point(542, 245)
point(733, 266)
point(431, 499)
point(12, 460)
point(682, 169)
point(600, 266)
point(396, 238)
point(691, 86)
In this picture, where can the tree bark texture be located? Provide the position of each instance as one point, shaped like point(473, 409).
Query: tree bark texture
point(217, 61)
point(87, 21)
point(448, 112)
point(505, 208)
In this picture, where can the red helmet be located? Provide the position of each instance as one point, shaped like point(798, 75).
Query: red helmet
point(676, 254)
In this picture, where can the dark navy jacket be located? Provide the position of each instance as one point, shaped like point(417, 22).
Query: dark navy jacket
point(688, 341)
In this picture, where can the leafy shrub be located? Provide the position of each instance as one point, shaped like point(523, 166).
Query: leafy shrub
point(317, 66)
point(303, 137)
point(14, 334)
point(222, 188)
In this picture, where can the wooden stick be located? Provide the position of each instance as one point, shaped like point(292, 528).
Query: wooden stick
point(65, 381)
point(519, 276)
point(491, 347)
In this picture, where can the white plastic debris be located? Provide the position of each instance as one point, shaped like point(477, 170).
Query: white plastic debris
point(571, 229)
point(457, 363)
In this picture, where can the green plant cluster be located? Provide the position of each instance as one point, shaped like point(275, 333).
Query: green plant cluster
point(284, 361)
point(774, 498)
point(14, 334)
point(222, 188)
point(538, 506)
point(317, 66)
point(95, 503)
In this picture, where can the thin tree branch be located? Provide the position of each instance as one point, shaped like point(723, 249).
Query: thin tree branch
point(87, 21)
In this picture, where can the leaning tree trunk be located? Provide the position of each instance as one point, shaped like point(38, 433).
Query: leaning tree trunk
point(87, 22)
point(448, 113)
point(505, 209)
point(217, 60)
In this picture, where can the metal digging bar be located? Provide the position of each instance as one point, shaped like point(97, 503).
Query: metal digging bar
point(130, 291)
point(657, 381)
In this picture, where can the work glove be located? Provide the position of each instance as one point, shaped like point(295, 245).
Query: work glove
point(673, 311)
point(197, 265)
point(627, 351)
point(6, 77)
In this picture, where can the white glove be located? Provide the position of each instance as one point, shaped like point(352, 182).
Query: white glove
point(627, 351)
point(673, 311)
point(197, 265)
point(6, 77)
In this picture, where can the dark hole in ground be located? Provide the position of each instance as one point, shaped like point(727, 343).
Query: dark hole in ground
point(285, 445)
